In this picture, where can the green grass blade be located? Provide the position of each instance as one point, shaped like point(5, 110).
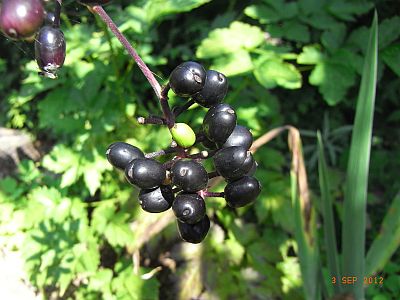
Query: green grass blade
point(387, 241)
point(353, 230)
point(307, 246)
point(327, 213)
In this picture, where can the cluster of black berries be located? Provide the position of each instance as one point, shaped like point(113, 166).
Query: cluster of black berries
point(182, 182)
point(23, 19)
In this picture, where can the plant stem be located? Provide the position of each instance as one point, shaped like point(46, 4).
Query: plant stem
point(57, 12)
point(160, 152)
point(151, 120)
point(180, 109)
point(211, 194)
point(132, 52)
point(169, 116)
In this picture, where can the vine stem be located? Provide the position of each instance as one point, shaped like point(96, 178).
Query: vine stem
point(132, 52)
point(57, 13)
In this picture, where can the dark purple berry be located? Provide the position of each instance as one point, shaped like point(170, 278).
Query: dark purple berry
point(214, 90)
point(253, 169)
point(240, 136)
point(218, 124)
point(243, 191)
point(120, 154)
point(50, 18)
point(156, 200)
point(21, 18)
point(189, 208)
point(194, 233)
point(187, 79)
point(208, 144)
point(233, 162)
point(189, 175)
point(50, 50)
point(145, 173)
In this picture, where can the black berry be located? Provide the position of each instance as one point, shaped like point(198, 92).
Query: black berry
point(145, 173)
point(189, 175)
point(50, 50)
point(21, 18)
point(156, 200)
point(218, 124)
point(242, 191)
point(189, 208)
point(240, 136)
point(120, 154)
point(214, 90)
point(194, 233)
point(233, 162)
point(187, 79)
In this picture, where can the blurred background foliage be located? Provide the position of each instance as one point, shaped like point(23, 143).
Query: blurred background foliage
point(78, 223)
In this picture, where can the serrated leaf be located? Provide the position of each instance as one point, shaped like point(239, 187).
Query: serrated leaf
point(333, 81)
point(291, 30)
point(332, 39)
point(117, 232)
point(391, 56)
point(92, 176)
point(388, 31)
point(310, 55)
point(346, 10)
point(101, 280)
point(233, 64)
point(155, 9)
point(229, 40)
point(273, 72)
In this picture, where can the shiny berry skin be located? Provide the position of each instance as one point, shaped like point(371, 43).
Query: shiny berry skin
point(189, 175)
point(218, 124)
point(183, 135)
point(240, 136)
point(243, 191)
point(156, 200)
point(253, 169)
point(214, 90)
point(145, 173)
point(208, 144)
point(187, 79)
point(189, 208)
point(93, 2)
point(120, 154)
point(233, 162)
point(194, 233)
point(50, 50)
point(21, 18)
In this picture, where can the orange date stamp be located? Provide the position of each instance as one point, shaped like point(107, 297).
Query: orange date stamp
point(348, 280)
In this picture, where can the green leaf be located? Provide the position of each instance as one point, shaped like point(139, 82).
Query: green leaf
point(388, 31)
point(118, 232)
point(332, 39)
point(310, 55)
point(355, 201)
point(327, 213)
point(229, 40)
point(155, 9)
point(233, 64)
point(276, 11)
point(273, 72)
point(333, 80)
point(92, 176)
point(387, 241)
point(101, 280)
point(291, 30)
point(391, 57)
point(346, 10)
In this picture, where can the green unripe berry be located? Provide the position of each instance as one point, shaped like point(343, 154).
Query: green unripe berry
point(183, 135)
